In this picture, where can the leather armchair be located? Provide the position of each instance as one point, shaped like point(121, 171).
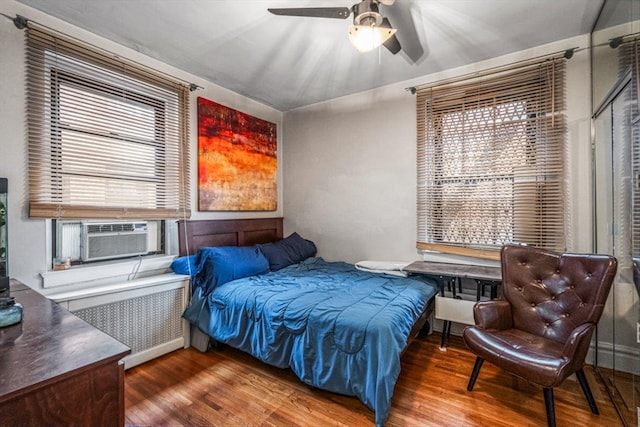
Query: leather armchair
point(542, 329)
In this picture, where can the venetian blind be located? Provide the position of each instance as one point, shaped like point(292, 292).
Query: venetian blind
point(491, 161)
point(107, 139)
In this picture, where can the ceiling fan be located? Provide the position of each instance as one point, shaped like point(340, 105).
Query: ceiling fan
point(369, 30)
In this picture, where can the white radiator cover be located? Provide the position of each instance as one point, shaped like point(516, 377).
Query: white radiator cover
point(144, 314)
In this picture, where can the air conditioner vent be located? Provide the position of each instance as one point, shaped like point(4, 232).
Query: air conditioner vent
point(110, 240)
point(112, 228)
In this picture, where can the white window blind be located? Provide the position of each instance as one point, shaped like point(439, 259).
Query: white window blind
point(491, 161)
point(108, 139)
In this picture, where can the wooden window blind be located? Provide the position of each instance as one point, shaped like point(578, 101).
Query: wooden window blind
point(491, 161)
point(107, 139)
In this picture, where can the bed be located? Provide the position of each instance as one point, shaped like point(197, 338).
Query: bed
point(337, 327)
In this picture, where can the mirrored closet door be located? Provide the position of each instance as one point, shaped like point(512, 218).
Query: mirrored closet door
point(616, 131)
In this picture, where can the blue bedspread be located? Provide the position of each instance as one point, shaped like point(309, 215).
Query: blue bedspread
point(336, 327)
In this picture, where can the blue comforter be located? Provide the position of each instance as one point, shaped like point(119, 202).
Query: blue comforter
point(336, 327)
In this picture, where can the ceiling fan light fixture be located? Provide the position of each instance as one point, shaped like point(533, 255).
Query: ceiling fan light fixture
point(368, 37)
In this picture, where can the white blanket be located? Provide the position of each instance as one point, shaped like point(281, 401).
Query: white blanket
point(386, 267)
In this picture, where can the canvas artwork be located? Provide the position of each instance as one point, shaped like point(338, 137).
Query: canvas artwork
point(237, 160)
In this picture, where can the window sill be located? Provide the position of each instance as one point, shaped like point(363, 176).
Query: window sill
point(102, 273)
point(457, 259)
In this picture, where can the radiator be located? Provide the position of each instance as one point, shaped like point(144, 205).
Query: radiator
point(145, 314)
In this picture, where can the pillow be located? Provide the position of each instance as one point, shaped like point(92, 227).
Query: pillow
point(184, 265)
point(288, 251)
point(219, 265)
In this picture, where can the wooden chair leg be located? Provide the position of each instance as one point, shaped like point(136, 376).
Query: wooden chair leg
point(474, 374)
point(550, 407)
point(587, 391)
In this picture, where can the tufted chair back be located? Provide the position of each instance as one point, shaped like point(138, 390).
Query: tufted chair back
point(552, 294)
point(542, 329)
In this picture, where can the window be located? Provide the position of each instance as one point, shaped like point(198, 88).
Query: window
point(127, 169)
point(490, 161)
point(107, 139)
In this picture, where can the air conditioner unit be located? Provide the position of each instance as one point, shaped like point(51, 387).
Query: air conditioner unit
point(108, 240)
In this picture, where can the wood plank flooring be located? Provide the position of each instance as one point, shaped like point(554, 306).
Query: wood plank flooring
point(230, 388)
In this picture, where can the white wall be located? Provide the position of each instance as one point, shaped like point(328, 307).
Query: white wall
point(350, 175)
point(29, 244)
point(350, 165)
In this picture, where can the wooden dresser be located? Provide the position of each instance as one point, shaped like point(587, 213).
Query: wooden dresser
point(56, 369)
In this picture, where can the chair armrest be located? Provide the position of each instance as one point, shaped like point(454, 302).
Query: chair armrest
point(577, 345)
point(494, 314)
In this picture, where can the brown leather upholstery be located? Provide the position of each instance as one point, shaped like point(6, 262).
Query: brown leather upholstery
point(542, 328)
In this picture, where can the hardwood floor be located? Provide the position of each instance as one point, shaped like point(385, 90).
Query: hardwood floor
point(230, 388)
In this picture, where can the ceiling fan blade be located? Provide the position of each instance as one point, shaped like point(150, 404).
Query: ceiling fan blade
point(392, 44)
point(314, 12)
point(407, 32)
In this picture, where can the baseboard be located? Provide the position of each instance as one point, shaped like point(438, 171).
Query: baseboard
point(456, 328)
point(624, 358)
point(145, 355)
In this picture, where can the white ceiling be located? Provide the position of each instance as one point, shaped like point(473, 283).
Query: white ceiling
point(288, 62)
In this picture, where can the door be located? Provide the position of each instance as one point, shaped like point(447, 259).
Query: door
point(617, 205)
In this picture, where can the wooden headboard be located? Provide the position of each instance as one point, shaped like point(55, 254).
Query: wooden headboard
point(196, 234)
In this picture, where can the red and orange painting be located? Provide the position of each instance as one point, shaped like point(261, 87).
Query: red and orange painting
point(237, 161)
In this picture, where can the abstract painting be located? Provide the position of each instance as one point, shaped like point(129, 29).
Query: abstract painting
point(237, 160)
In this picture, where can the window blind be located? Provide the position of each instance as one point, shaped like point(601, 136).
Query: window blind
point(107, 139)
point(491, 161)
